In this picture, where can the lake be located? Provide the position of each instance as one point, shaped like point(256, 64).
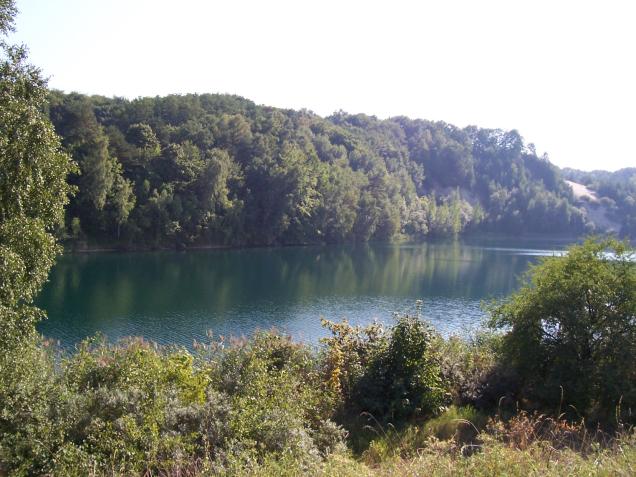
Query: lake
point(177, 297)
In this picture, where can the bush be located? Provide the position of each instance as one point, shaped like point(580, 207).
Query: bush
point(571, 332)
point(140, 408)
point(136, 408)
point(404, 381)
point(28, 392)
point(468, 366)
point(258, 406)
point(348, 355)
point(394, 374)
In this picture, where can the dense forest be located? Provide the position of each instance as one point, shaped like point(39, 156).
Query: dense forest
point(220, 170)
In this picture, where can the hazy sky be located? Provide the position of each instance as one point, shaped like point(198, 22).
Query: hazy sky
point(561, 72)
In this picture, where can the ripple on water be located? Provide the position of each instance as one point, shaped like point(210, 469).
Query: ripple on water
point(175, 298)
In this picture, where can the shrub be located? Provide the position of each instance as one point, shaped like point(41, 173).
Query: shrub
point(468, 365)
point(476, 374)
point(133, 406)
point(394, 374)
point(276, 393)
point(571, 331)
point(404, 381)
point(348, 355)
point(28, 389)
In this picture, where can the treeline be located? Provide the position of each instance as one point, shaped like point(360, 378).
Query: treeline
point(617, 191)
point(218, 169)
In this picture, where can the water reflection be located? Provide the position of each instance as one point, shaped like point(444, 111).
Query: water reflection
point(175, 297)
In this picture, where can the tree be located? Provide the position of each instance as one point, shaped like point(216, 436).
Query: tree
point(33, 188)
point(121, 199)
point(336, 212)
point(145, 146)
point(85, 139)
point(298, 178)
point(217, 209)
point(283, 195)
point(572, 329)
point(33, 192)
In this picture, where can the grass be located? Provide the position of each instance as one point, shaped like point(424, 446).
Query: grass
point(493, 457)
point(526, 445)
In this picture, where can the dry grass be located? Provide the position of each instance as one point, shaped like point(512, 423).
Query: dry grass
point(526, 445)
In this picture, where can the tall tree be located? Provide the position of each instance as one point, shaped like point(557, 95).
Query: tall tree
point(33, 192)
point(121, 199)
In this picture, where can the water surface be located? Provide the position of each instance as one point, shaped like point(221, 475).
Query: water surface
point(176, 297)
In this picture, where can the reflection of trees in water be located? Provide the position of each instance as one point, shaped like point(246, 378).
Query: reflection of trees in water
point(106, 285)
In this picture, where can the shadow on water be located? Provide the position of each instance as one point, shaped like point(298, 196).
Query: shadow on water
point(175, 297)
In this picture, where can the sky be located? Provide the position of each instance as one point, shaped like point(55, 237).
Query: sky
point(563, 73)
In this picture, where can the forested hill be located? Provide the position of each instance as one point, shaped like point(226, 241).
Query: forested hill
point(218, 169)
point(615, 192)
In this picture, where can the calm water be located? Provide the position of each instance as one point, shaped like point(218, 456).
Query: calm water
point(176, 297)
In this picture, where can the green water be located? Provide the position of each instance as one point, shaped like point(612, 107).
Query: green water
point(176, 297)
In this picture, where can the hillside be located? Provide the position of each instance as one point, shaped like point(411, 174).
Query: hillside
point(221, 170)
point(612, 197)
point(596, 212)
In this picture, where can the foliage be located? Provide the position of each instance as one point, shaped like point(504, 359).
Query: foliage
point(136, 408)
point(217, 169)
point(572, 330)
point(477, 372)
point(617, 191)
point(253, 406)
point(33, 192)
point(393, 374)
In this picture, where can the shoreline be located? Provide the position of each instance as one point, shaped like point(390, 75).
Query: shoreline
point(72, 248)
